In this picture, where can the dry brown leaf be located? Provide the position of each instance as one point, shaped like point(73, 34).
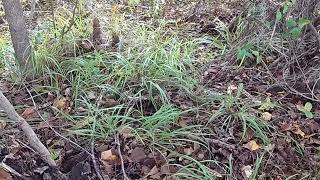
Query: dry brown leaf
point(266, 116)
point(137, 154)
point(28, 113)
point(154, 171)
point(4, 175)
point(252, 145)
point(108, 167)
point(182, 122)
point(298, 131)
point(165, 169)
point(61, 103)
point(108, 156)
point(126, 132)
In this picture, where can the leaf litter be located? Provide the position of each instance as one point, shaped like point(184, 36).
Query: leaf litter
point(294, 140)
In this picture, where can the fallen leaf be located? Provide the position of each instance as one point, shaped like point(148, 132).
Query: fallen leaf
point(50, 97)
point(298, 131)
point(3, 124)
point(165, 170)
point(153, 171)
point(108, 103)
point(286, 127)
point(91, 95)
point(28, 113)
point(201, 156)
point(196, 146)
point(188, 151)
point(247, 171)
point(108, 167)
point(67, 92)
point(252, 145)
point(126, 132)
point(266, 116)
point(137, 154)
point(4, 175)
point(61, 103)
point(269, 147)
point(231, 88)
point(108, 156)
point(182, 122)
point(215, 173)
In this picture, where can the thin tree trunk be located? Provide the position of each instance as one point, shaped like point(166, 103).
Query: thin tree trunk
point(18, 31)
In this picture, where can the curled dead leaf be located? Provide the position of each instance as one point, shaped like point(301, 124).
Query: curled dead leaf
point(266, 116)
point(108, 156)
point(247, 170)
point(252, 145)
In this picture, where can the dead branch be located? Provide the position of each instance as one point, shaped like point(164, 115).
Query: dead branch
point(125, 177)
point(72, 21)
point(27, 130)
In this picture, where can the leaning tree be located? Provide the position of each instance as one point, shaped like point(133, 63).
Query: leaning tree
point(21, 44)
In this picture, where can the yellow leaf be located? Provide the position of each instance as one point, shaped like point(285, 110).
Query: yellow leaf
point(299, 132)
point(60, 103)
point(252, 145)
point(108, 156)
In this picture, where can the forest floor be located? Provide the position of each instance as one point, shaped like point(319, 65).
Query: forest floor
point(182, 90)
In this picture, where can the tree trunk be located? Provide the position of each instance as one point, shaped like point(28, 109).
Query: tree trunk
point(18, 31)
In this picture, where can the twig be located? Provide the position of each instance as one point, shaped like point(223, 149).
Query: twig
point(28, 131)
point(53, 16)
point(221, 143)
point(116, 139)
point(95, 165)
point(72, 21)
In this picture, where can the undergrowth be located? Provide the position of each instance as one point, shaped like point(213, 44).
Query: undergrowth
point(152, 62)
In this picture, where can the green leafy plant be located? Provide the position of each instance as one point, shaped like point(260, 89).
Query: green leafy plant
point(133, 2)
point(248, 51)
point(295, 26)
point(267, 105)
point(306, 109)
